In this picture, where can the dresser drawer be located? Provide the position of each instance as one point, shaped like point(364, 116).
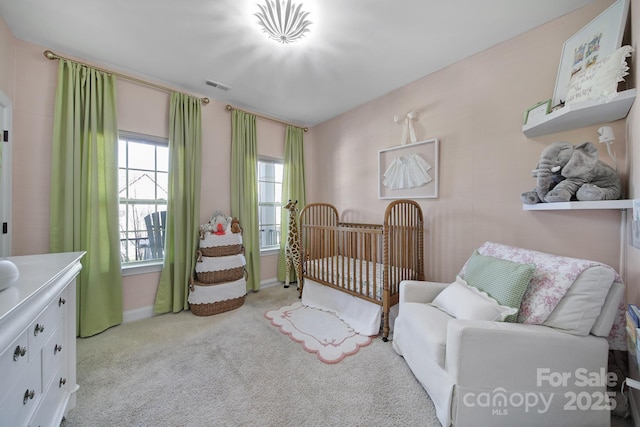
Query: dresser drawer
point(23, 397)
point(50, 413)
point(13, 361)
point(45, 324)
point(53, 356)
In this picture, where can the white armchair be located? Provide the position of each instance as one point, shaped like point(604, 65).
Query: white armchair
point(480, 372)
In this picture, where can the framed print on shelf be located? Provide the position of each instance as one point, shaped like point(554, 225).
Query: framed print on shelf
point(538, 111)
point(595, 41)
point(409, 171)
point(635, 224)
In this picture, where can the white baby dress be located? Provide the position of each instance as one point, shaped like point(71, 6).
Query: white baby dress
point(407, 172)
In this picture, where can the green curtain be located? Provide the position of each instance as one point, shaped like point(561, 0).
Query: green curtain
point(183, 204)
point(84, 191)
point(244, 189)
point(293, 188)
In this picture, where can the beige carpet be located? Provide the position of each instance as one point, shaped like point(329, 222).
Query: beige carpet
point(236, 369)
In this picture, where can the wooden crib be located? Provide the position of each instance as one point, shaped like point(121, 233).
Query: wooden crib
point(367, 261)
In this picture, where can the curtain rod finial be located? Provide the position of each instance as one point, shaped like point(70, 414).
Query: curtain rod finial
point(205, 101)
point(228, 107)
point(50, 55)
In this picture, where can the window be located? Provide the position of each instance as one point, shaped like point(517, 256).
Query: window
point(143, 176)
point(269, 202)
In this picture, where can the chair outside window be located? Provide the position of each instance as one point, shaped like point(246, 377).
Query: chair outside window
point(155, 223)
point(143, 180)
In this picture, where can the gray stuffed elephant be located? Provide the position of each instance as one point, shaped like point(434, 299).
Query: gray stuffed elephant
point(568, 172)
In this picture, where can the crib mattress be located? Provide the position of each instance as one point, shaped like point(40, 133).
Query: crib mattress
point(346, 272)
point(339, 269)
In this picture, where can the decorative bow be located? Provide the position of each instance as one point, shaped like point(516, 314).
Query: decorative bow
point(407, 130)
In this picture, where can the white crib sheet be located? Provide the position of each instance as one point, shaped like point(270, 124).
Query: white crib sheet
point(338, 265)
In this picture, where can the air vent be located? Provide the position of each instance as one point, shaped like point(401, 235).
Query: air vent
point(218, 85)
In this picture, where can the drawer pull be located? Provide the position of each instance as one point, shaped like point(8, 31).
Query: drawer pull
point(57, 348)
point(29, 394)
point(63, 381)
point(61, 301)
point(19, 352)
point(38, 329)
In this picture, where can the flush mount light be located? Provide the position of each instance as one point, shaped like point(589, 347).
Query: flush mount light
point(283, 22)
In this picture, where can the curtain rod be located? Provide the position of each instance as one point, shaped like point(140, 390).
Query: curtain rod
point(50, 55)
point(230, 108)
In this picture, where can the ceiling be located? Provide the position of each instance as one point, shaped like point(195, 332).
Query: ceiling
point(356, 50)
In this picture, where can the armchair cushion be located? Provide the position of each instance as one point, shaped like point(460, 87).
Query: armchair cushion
point(420, 291)
point(467, 302)
point(608, 324)
point(427, 327)
point(504, 280)
point(577, 311)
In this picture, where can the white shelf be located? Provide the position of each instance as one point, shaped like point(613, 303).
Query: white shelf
point(582, 114)
point(601, 204)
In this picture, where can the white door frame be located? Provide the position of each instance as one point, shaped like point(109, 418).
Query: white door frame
point(5, 174)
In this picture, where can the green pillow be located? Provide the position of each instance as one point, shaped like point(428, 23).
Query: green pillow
point(503, 280)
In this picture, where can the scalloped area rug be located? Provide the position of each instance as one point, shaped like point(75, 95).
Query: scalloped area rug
point(319, 332)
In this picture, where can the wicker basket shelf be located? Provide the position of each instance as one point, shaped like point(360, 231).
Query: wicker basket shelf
point(216, 307)
point(220, 274)
point(214, 277)
point(216, 251)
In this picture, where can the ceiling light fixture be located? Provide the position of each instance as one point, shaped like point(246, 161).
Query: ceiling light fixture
point(282, 22)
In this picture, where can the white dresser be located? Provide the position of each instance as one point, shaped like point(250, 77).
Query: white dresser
point(38, 341)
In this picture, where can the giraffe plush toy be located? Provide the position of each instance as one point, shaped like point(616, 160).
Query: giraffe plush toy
point(292, 247)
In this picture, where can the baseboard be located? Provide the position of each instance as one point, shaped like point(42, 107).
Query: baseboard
point(268, 283)
point(146, 312)
point(137, 314)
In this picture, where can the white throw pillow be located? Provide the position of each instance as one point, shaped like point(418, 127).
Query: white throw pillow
point(466, 302)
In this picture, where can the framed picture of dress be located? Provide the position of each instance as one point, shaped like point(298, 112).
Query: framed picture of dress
point(409, 171)
point(595, 41)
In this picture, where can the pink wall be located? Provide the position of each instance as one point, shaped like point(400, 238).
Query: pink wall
point(6, 65)
point(35, 85)
point(140, 109)
point(475, 107)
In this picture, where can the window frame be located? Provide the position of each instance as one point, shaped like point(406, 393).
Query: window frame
point(150, 265)
point(274, 249)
